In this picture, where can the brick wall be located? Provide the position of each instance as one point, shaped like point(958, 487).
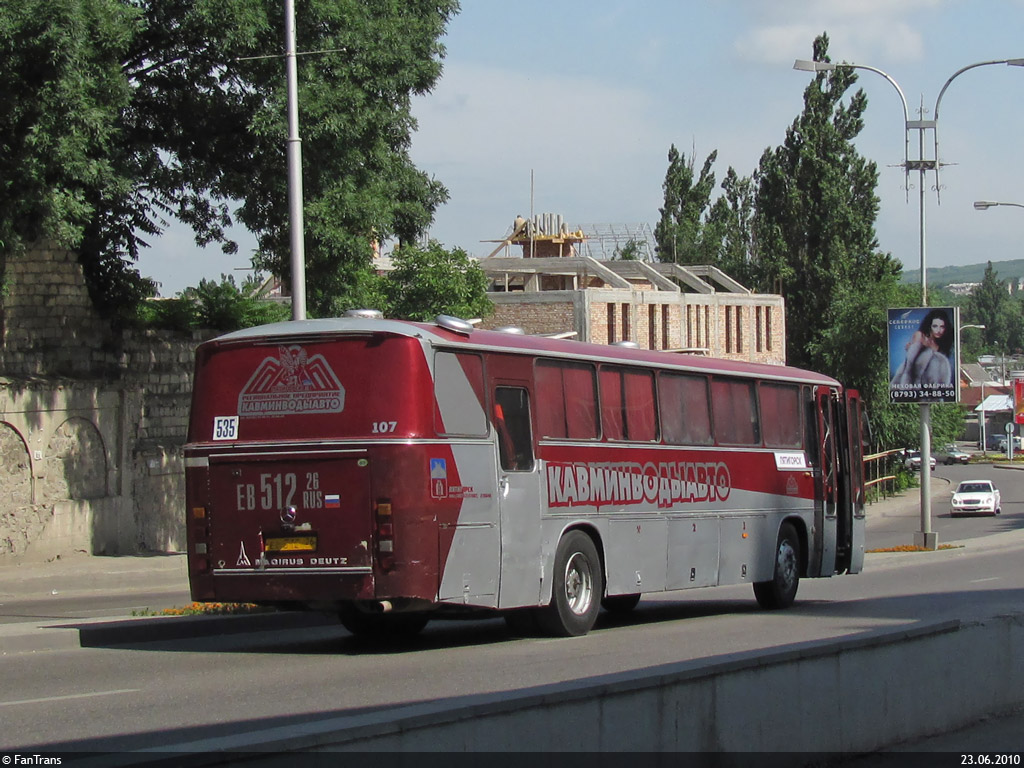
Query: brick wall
point(92, 421)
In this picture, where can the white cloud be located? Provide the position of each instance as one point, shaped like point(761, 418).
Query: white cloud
point(858, 31)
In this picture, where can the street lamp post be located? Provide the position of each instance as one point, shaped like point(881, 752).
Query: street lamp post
point(925, 538)
point(984, 205)
point(297, 233)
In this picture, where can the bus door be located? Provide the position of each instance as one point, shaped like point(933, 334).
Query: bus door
point(854, 502)
point(827, 490)
point(519, 485)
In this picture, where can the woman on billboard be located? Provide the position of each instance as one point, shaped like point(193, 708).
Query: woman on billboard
point(927, 361)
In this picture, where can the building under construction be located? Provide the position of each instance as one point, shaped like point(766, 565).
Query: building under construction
point(547, 277)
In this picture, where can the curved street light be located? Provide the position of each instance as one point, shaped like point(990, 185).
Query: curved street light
point(925, 538)
point(984, 205)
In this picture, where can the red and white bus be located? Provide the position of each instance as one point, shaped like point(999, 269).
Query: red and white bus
point(392, 470)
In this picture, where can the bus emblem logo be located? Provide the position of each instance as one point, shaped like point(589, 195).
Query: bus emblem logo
point(291, 383)
point(438, 479)
point(243, 559)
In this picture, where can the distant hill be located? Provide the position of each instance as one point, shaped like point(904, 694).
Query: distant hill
point(1012, 270)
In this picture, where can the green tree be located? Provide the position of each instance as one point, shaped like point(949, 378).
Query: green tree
point(679, 232)
point(815, 238)
point(729, 226)
point(431, 281)
point(222, 306)
point(60, 128)
point(120, 115)
point(630, 251)
point(990, 305)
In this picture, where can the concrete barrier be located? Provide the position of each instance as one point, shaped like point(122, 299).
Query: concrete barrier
point(855, 694)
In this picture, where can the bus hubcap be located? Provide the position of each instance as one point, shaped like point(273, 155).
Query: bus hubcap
point(579, 586)
point(787, 563)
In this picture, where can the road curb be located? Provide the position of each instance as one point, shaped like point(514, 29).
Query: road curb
point(101, 633)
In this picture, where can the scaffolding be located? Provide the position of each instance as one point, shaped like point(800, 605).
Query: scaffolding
point(606, 242)
point(603, 242)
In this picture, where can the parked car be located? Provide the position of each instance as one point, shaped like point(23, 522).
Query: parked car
point(913, 461)
point(998, 443)
point(950, 454)
point(975, 497)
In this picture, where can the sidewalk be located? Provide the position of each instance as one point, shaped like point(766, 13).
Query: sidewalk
point(80, 575)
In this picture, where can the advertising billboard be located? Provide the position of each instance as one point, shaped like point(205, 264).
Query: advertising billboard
point(923, 351)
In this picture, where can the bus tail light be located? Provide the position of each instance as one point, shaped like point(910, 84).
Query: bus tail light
point(200, 537)
point(385, 537)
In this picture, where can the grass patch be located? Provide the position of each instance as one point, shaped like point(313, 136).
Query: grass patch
point(205, 609)
point(915, 548)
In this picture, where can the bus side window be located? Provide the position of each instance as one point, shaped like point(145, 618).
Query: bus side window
point(512, 423)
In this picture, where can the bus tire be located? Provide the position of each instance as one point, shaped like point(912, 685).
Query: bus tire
point(620, 604)
point(576, 592)
point(381, 626)
point(780, 592)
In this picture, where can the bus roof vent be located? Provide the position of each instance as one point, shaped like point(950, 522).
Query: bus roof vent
point(456, 324)
point(629, 344)
point(366, 314)
point(515, 330)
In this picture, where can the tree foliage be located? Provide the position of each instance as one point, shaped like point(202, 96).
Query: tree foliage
point(679, 232)
point(991, 305)
point(223, 306)
point(804, 226)
point(814, 228)
point(431, 281)
point(120, 115)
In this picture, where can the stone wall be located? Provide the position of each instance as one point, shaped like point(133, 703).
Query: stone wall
point(92, 420)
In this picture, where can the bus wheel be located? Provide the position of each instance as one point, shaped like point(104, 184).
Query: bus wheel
point(620, 603)
point(780, 592)
point(578, 584)
point(379, 626)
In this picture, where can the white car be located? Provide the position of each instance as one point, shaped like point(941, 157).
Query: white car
point(913, 461)
point(975, 497)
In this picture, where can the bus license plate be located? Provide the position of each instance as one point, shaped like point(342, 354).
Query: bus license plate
point(291, 544)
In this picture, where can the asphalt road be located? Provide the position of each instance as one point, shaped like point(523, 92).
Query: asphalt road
point(894, 524)
point(122, 697)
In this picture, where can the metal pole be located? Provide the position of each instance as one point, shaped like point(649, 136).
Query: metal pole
point(927, 538)
point(984, 442)
point(298, 255)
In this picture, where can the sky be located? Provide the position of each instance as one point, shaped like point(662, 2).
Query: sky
point(585, 97)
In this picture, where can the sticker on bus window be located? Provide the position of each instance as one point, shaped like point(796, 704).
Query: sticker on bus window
point(790, 460)
point(225, 427)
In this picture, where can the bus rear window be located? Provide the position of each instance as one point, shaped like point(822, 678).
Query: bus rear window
point(306, 389)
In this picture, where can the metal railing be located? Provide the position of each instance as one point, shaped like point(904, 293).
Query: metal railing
point(880, 474)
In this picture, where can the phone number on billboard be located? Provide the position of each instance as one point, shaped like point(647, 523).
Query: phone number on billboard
point(913, 394)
